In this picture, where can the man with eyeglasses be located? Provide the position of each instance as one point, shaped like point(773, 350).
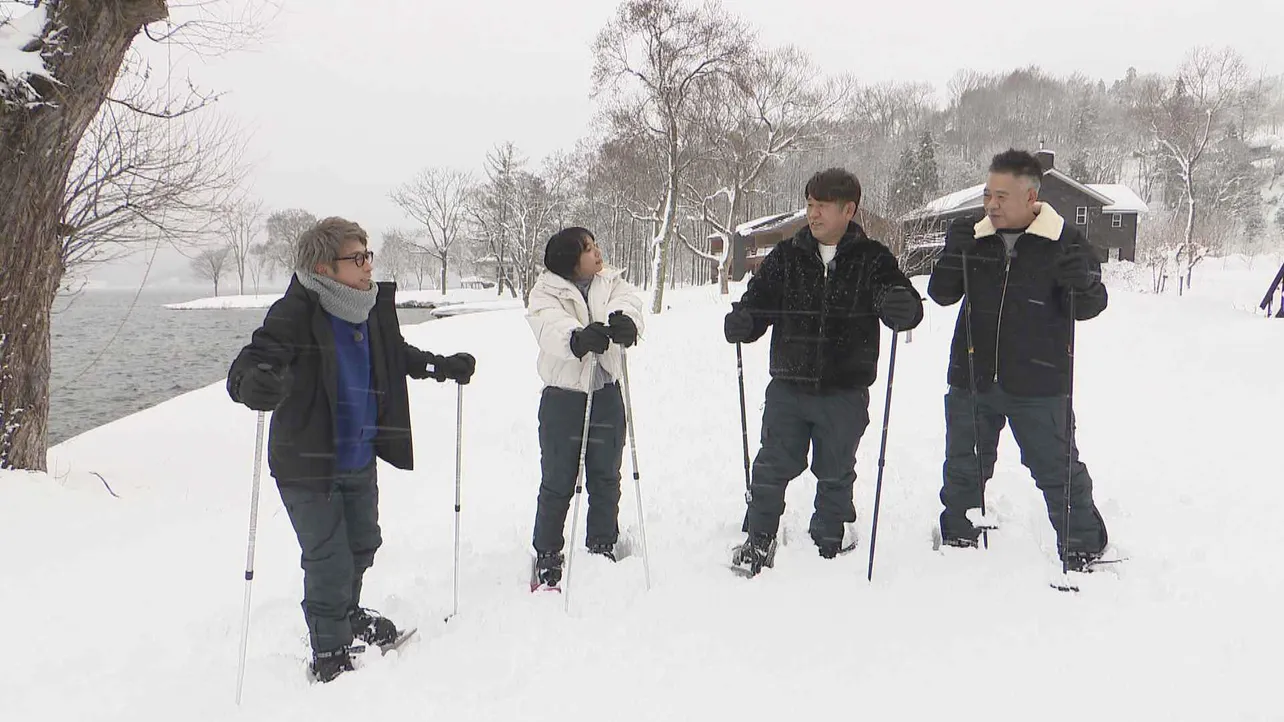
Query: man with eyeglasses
point(330, 362)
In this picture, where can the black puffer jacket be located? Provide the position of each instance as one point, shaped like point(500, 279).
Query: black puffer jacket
point(1020, 316)
point(826, 322)
point(297, 333)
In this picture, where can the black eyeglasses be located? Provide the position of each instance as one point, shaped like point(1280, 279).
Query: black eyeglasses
point(358, 258)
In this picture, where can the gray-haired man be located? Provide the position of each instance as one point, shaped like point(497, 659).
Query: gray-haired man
point(330, 362)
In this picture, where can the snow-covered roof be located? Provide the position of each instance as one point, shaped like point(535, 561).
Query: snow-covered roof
point(956, 201)
point(1125, 200)
point(771, 220)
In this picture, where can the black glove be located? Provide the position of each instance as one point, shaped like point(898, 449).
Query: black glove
point(1074, 272)
point(738, 325)
point(595, 337)
point(960, 238)
point(623, 330)
point(456, 367)
point(263, 389)
point(901, 309)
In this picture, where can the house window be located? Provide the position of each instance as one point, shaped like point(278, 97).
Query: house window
point(1117, 220)
point(1081, 216)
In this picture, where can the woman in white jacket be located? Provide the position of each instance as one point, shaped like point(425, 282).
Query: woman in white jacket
point(581, 314)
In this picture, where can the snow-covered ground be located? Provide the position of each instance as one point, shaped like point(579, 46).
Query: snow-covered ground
point(454, 302)
point(129, 608)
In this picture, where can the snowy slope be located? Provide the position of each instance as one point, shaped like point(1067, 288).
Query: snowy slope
point(134, 603)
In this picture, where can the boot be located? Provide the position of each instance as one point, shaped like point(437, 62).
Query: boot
point(758, 551)
point(604, 548)
point(548, 568)
point(372, 628)
point(325, 666)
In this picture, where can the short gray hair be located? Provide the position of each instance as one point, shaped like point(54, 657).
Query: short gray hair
point(322, 242)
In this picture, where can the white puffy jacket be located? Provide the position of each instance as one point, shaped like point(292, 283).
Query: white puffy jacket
point(557, 308)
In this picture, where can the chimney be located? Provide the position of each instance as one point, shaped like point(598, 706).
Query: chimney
point(1046, 158)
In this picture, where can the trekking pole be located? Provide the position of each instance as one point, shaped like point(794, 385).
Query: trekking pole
point(882, 456)
point(579, 481)
point(1066, 586)
point(971, 380)
point(744, 423)
point(633, 450)
point(459, 446)
point(249, 557)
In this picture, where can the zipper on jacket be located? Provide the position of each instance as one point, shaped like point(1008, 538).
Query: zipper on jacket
point(998, 327)
point(824, 295)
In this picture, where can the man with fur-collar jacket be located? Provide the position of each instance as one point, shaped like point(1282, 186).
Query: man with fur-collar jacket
point(582, 315)
point(823, 293)
point(1028, 272)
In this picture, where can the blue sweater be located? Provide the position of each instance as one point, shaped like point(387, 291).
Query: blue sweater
point(357, 411)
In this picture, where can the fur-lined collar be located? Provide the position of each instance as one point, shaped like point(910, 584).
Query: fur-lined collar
point(1047, 223)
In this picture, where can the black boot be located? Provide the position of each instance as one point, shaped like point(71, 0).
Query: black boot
point(606, 549)
point(326, 666)
point(548, 568)
point(758, 551)
point(372, 628)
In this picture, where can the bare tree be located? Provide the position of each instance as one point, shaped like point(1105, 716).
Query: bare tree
point(394, 255)
point(138, 180)
point(259, 262)
point(211, 265)
point(489, 211)
point(284, 228)
point(1186, 116)
point(421, 265)
point(76, 52)
point(438, 199)
point(238, 224)
point(763, 109)
point(653, 58)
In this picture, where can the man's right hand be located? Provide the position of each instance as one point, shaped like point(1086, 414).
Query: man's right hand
point(263, 389)
point(960, 238)
point(738, 325)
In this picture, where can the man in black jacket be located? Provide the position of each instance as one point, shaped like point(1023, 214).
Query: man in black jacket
point(823, 292)
point(1028, 273)
point(331, 364)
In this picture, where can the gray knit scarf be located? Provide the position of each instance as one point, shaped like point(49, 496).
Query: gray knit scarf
point(339, 300)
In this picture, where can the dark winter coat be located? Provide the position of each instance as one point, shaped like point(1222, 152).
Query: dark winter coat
point(297, 333)
point(1020, 315)
point(826, 324)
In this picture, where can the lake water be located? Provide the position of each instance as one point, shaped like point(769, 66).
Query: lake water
point(114, 355)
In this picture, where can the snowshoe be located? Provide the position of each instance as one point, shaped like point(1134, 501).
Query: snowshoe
point(326, 666)
point(757, 552)
point(605, 549)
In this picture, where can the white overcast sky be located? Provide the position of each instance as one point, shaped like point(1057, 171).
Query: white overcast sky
point(348, 98)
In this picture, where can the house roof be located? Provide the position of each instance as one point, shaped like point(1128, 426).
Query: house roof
point(1123, 197)
point(1114, 198)
point(771, 221)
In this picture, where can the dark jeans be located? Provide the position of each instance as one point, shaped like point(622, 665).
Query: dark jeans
point(1039, 427)
point(561, 432)
point(831, 425)
point(338, 531)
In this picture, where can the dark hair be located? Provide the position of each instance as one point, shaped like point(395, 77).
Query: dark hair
point(833, 184)
point(562, 253)
point(1018, 163)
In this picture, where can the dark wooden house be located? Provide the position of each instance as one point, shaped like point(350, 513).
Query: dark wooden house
point(753, 240)
point(1107, 214)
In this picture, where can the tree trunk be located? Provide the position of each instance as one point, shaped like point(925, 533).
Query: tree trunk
point(37, 147)
point(660, 259)
point(443, 275)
